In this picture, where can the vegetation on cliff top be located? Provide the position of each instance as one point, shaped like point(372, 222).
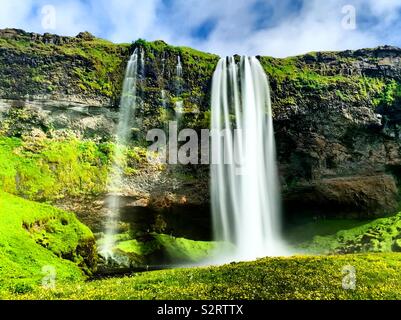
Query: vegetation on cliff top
point(297, 81)
point(37, 238)
point(79, 65)
point(93, 68)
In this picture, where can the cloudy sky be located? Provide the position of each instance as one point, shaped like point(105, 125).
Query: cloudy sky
point(268, 27)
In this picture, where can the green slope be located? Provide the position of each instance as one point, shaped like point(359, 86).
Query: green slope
point(35, 237)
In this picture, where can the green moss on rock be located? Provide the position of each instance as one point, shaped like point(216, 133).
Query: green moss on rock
point(381, 235)
point(81, 65)
point(47, 169)
point(36, 236)
point(161, 249)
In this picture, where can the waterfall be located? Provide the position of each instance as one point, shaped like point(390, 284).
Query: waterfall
point(179, 67)
point(244, 180)
point(163, 96)
point(142, 68)
point(123, 134)
point(179, 103)
point(163, 92)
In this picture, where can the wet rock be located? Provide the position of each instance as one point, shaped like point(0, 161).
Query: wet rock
point(353, 196)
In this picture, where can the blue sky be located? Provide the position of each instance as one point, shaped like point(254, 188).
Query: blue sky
point(266, 27)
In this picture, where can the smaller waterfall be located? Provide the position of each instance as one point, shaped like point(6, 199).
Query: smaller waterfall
point(179, 67)
point(125, 123)
point(163, 92)
point(179, 104)
point(163, 63)
point(142, 69)
point(163, 96)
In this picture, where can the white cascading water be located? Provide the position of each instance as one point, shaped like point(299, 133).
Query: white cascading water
point(125, 124)
point(163, 96)
point(163, 92)
point(179, 67)
point(244, 180)
point(179, 103)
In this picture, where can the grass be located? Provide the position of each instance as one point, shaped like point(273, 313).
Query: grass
point(34, 236)
point(300, 277)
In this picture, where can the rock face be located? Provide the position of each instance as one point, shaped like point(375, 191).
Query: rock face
point(336, 139)
point(19, 117)
point(337, 115)
point(352, 196)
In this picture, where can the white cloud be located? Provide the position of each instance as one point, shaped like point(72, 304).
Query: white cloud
point(316, 27)
point(237, 29)
point(14, 13)
point(131, 19)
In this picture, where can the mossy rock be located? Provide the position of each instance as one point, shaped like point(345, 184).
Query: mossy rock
point(160, 249)
point(381, 235)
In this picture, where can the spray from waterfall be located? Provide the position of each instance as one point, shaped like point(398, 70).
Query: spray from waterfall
point(125, 124)
point(244, 181)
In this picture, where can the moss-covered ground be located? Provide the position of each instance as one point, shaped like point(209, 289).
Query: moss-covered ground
point(302, 277)
point(161, 249)
point(176, 249)
point(47, 169)
point(36, 237)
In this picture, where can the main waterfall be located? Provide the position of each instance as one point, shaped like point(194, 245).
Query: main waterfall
point(125, 124)
point(244, 181)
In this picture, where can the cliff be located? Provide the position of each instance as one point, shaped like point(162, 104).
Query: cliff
point(337, 115)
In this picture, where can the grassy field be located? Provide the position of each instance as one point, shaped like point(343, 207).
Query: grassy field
point(315, 277)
